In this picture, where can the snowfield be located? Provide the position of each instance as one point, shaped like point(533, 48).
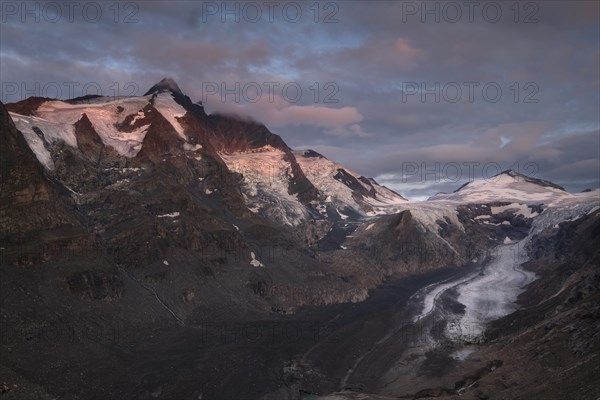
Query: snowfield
point(504, 187)
point(266, 181)
point(56, 120)
point(171, 110)
point(321, 171)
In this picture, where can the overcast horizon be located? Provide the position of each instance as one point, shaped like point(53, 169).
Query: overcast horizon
point(421, 96)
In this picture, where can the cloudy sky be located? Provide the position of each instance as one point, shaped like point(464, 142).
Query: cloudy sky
point(421, 96)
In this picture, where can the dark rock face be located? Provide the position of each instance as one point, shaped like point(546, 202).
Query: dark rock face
point(350, 181)
point(90, 143)
point(30, 201)
point(398, 245)
point(232, 134)
point(27, 106)
point(161, 139)
point(96, 285)
point(165, 85)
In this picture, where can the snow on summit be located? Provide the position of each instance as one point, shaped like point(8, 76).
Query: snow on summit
point(171, 110)
point(266, 182)
point(325, 175)
point(54, 120)
point(507, 186)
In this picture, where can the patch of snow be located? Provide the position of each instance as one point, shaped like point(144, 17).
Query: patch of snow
point(52, 132)
point(56, 120)
point(342, 216)
point(519, 209)
point(266, 182)
point(174, 214)
point(71, 190)
point(171, 110)
point(254, 262)
point(464, 353)
point(132, 169)
point(139, 115)
point(369, 227)
point(191, 147)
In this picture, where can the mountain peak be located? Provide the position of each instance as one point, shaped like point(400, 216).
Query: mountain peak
point(510, 172)
point(508, 185)
point(541, 182)
point(165, 85)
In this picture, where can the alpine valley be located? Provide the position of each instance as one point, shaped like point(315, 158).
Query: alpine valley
point(153, 251)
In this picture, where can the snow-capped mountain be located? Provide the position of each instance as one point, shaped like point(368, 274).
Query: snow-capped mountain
point(507, 191)
point(121, 124)
point(153, 217)
point(541, 202)
point(343, 187)
point(165, 123)
point(508, 185)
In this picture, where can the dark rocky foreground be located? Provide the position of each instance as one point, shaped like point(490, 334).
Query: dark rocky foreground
point(315, 351)
point(98, 357)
